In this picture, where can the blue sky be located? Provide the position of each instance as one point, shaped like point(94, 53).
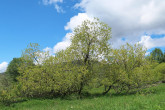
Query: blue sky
point(29, 21)
point(50, 23)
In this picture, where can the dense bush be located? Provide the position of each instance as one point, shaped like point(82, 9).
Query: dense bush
point(161, 69)
point(50, 80)
point(58, 75)
point(12, 69)
point(11, 95)
point(126, 69)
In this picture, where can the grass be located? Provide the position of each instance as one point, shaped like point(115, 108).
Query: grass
point(150, 99)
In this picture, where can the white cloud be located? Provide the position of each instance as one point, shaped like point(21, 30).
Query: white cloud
point(76, 20)
point(117, 43)
point(49, 2)
point(149, 42)
point(128, 18)
point(3, 67)
point(55, 3)
point(59, 9)
point(63, 44)
point(58, 47)
point(48, 50)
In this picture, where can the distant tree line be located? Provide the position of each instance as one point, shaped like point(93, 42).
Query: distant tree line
point(157, 55)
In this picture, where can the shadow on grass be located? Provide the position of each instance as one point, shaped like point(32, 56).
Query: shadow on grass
point(89, 95)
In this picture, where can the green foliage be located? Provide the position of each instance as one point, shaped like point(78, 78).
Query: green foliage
point(128, 69)
point(157, 55)
point(90, 41)
point(54, 77)
point(161, 69)
point(32, 53)
point(6, 97)
point(12, 69)
point(5, 81)
point(6, 84)
point(10, 95)
point(70, 70)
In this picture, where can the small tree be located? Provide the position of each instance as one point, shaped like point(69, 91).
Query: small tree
point(89, 43)
point(32, 54)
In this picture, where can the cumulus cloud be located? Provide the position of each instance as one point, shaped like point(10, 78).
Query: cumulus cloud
point(149, 42)
point(55, 3)
point(3, 67)
point(74, 22)
point(63, 44)
point(77, 20)
point(58, 47)
point(48, 50)
point(128, 18)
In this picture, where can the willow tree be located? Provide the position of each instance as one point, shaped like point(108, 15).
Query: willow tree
point(89, 44)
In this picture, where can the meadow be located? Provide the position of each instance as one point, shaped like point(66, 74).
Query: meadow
point(148, 99)
point(87, 75)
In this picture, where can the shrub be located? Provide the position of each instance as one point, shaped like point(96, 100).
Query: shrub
point(161, 69)
point(52, 78)
point(10, 96)
point(127, 69)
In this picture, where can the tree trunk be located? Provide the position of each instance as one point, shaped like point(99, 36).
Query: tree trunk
point(106, 91)
point(80, 90)
point(86, 59)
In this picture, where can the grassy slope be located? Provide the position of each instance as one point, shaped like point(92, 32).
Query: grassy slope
point(150, 101)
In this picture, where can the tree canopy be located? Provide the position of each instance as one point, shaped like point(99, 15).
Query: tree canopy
point(12, 69)
point(157, 55)
point(90, 41)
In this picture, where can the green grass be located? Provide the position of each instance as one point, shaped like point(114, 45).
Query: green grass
point(154, 100)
